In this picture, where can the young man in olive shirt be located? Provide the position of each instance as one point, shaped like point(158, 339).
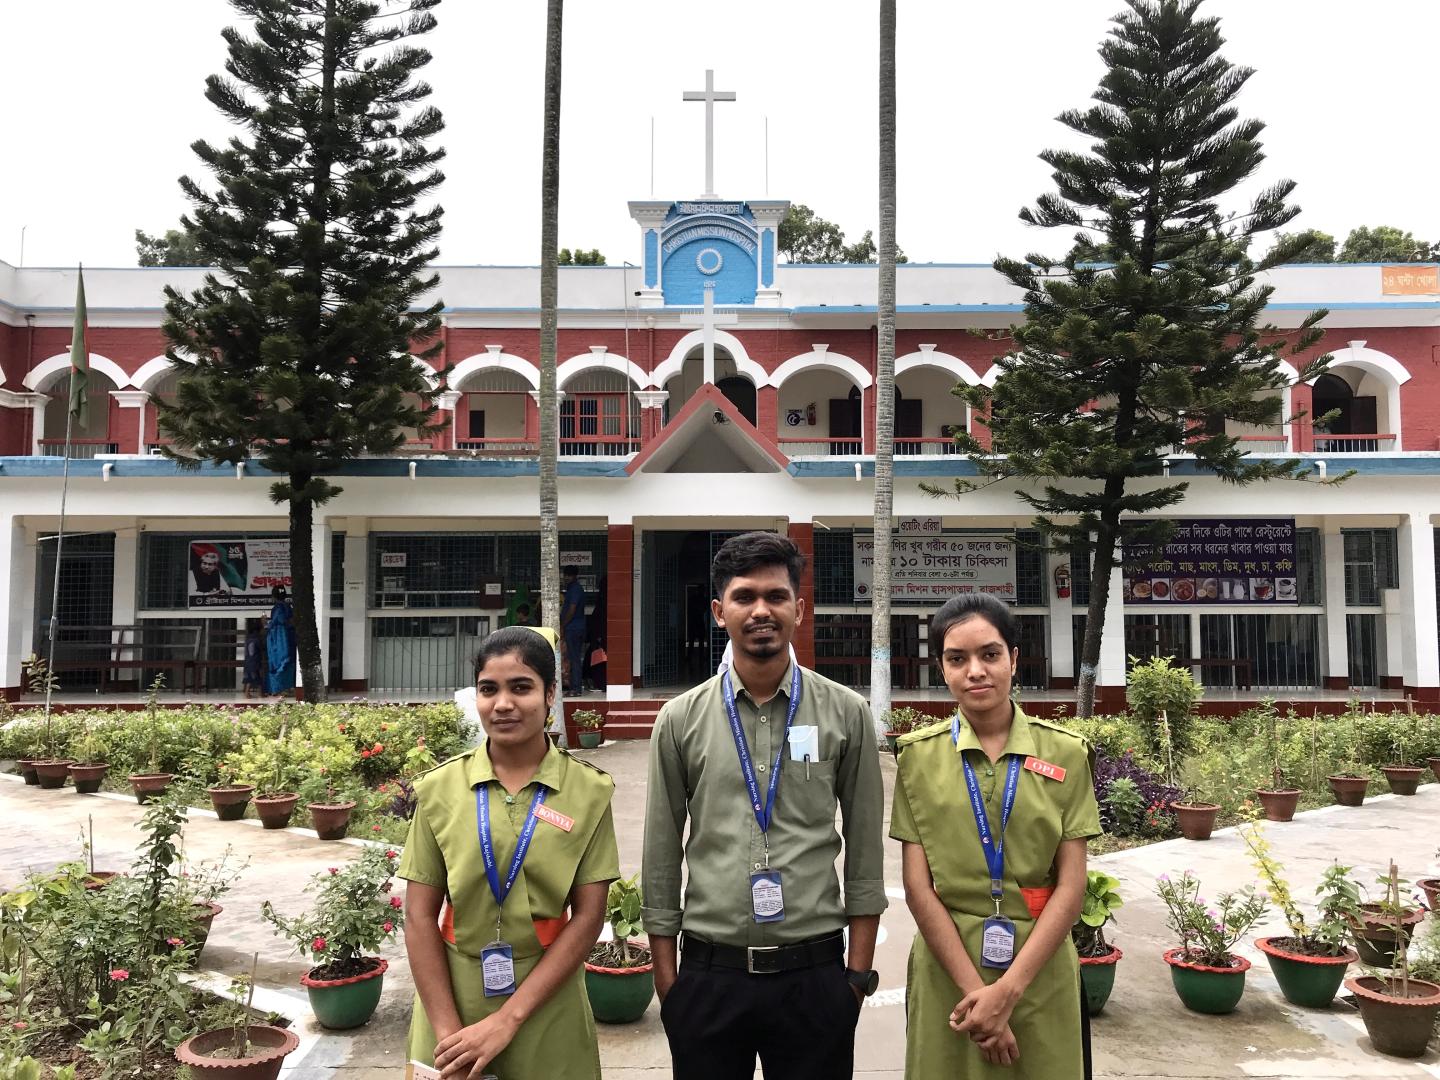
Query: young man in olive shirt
point(765, 968)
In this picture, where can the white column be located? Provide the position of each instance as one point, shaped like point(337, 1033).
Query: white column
point(1417, 597)
point(1112, 640)
point(1332, 587)
point(123, 587)
point(1062, 625)
point(37, 422)
point(354, 664)
point(320, 556)
point(446, 401)
point(17, 572)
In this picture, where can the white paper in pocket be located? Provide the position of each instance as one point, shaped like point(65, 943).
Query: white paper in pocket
point(805, 742)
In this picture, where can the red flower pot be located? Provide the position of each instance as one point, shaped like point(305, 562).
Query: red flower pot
point(53, 772)
point(229, 800)
point(148, 785)
point(1197, 820)
point(1431, 887)
point(1348, 790)
point(1279, 804)
point(27, 771)
point(275, 810)
point(269, 1048)
point(1434, 763)
point(88, 777)
point(331, 820)
point(1404, 779)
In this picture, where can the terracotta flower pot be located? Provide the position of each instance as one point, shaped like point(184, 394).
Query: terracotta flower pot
point(275, 810)
point(1375, 935)
point(331, 820)
point(27, 771)
point(1308, 981)
point(1279, 804)
point(205, 913)
point(269, 1048)
point(1197, 820)
point(229, 800)
point(1434, 763)
point(340, 1004)
point(1097, 979)
point(53, 772)
point(148, 785)
point(1206, 989)
point(1348, 790)
point(98, 879)
point(1431, 887)
point(1404, 779)
point(1399, 1026)
point(88, 777)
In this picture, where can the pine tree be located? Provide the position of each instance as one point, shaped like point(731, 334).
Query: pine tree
point(1121, 365)
point(297, 352)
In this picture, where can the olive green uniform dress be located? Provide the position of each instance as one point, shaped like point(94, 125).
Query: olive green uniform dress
point(443, 851)
point(932, 809)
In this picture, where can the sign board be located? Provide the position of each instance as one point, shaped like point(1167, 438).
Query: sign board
point(394, 560)
point(1409, 280)
point(236, 573)
point(931, 569)
point(1217, 561)
point(576, 558)
point(917, 526)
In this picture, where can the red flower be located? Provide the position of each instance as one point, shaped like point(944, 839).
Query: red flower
point(387, 926)
point(374, 828)
point(384, 727)
point(334, 870)
point(364, 753)
point(20, 1025)
point(378, 748)
point(396, 903)
point(119, 975)
point(174, 942)
point(392, 854)
point(340, 726)
point(318, 945)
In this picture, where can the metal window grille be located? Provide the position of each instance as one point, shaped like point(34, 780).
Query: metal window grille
point(834, 568)
point(1079, 580)
point(1309, 566)
point(424, 653)
point(337, 570)
point(450, 570)
point(1030, 551)
point(1371, 564)
point(1034, 670)
point(1148, 636)
point(1283, 650)
point(842, 650)
point(84, 611)
point(1362, 638)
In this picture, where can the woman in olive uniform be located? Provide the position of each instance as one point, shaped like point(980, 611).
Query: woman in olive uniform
point(506, 838)
point(993, 982)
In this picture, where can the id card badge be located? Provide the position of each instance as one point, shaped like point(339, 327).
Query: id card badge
point(497, 969)
point(804, 742)
point(997, 947)
point(767, 896)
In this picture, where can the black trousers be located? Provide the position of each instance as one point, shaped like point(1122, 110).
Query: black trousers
point(801, 1024)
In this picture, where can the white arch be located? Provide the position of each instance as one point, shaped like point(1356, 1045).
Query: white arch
point(153, 372)
point(944, 361)
point(606, 361)
point(670, 367)
point(1389, 371)
point(46, 373)
point(990, 377)
point(851, 369)
point(430, 375)
point(491, 361)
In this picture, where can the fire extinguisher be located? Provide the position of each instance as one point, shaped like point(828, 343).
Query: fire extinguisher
point(810, 414)
point(1062, 581)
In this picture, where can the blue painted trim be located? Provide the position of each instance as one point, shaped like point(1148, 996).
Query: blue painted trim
point(652, 257)
point(767, 258)
point(906, 309)
point(1363, 305)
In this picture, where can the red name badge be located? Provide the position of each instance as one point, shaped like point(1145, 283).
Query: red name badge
point(1044, 768)
point(563, 823)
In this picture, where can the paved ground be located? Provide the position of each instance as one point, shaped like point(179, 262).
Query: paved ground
point(1144, 1031)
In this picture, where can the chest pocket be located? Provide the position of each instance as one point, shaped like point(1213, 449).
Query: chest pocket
point(807, 797)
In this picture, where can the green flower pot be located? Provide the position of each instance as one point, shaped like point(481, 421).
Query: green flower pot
point(590, 738)
point(339, 1004)
point(1097, 977)
point(619, 995)
point(1308, 981)
point(1206, 989)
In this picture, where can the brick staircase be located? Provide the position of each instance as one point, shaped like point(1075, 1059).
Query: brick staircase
point(631, 719)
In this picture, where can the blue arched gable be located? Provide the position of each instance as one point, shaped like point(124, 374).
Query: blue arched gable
point(706, 243)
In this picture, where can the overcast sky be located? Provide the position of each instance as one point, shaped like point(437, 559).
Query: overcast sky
point(103, 99)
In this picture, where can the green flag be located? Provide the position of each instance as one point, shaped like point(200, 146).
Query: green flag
point(79, 358)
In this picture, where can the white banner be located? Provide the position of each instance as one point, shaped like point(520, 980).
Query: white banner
point(236, 573)
point(933, 569)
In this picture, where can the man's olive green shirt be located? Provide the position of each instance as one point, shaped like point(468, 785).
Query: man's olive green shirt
point(695, 773)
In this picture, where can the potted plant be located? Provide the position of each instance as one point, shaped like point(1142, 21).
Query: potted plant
point(1404, 778)
point(1097, 956)
point(1196, 815)
point(591, 727)
point(1379, 924)
point(1281, 799)
point(330, 807)
point(199, 886)
point(1430, 886)
point(235, 1048)
point(1207, 975)
point(901, 721)
point(152, 783)
point(274, 801)
point(89, 772)
point(229, 799)
point(1310, 963)
point(354, 914)
point(619, 976)
point(1399, 1012)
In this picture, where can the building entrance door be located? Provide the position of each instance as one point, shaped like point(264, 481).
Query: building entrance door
point(680, 645)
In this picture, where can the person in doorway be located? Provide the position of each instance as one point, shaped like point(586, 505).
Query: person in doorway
point(497, 931)
point(992, 809)
point(280, 644)
point(572, 626)
point(523, 617)
point(253, 678)
point(596, 657)
point(757, 758)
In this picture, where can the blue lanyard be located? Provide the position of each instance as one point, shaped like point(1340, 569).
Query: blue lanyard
point(487, 845)
point(763, 811)
point(994, 846)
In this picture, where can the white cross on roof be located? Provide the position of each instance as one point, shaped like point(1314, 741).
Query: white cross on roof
point(709, 96)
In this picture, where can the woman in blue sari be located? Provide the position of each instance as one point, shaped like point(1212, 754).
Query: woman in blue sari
point(280, 645)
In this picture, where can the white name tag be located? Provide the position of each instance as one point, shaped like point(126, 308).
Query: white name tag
point(805, 742)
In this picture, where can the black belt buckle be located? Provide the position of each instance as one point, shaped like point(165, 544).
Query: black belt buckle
point(763, 960)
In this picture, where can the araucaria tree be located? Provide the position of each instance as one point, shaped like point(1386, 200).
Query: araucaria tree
point(1146, 354)
point(297, 351)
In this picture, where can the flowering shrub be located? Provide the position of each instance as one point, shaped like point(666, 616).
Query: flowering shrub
point(1208, 932)
point(353, 915)
point(1338, 900)
point(1145, 811)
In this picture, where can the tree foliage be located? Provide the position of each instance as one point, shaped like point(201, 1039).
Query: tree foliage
point(297, 351)
point(1380, 244)
point(174, 248)
point(581, 257)
point(805, 237)
point(1116, 362)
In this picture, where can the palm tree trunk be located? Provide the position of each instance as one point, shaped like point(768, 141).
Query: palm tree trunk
point(549, 275)
point(884, 381)
point(1102, 565)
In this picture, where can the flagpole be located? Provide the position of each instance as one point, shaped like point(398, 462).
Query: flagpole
point(55, 587)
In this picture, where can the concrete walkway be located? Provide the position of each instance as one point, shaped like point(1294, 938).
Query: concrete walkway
point(1144, 1032)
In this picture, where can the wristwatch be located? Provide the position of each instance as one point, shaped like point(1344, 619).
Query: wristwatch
point(867, 982)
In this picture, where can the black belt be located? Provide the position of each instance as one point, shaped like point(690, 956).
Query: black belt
point(764, 960)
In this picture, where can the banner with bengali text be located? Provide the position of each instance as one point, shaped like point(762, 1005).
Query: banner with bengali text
point(931, 569)
point(236, 573)
point(1217, 561)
